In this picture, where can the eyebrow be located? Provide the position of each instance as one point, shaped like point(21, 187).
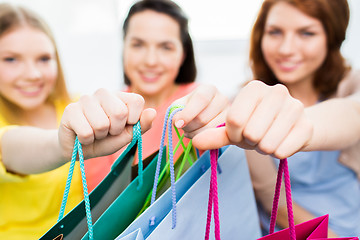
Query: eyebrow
point(141, 40)
point(302, 27)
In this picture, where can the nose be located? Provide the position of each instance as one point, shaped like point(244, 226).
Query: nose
point(151, 57)
point(32, 71)
point(287, 45)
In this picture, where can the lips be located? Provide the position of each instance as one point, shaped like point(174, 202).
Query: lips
point(150, 76)
point(287, 66)
point(30, 91)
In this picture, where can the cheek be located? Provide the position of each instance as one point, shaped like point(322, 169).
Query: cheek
point(9, 73)
point(130, 61)
point(173, 62)
point(317, 53)
point(267, 49)
point(51, 75)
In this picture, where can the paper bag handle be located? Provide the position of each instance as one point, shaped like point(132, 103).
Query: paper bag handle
point(283, 169)
point(213, 194)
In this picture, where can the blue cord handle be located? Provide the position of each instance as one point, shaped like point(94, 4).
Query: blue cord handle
point(137, 137)
point(78, 150)
point(167, 124)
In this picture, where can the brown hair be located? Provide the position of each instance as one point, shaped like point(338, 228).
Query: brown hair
point(12, 17)
point(187, 71)
point(334, 15)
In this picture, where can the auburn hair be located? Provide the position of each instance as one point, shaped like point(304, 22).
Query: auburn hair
point(334, 16)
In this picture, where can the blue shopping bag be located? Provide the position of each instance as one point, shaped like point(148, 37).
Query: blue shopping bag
point(237, 207)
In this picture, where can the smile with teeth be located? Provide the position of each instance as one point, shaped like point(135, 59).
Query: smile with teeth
point(150, 76)
point(288, 65)
point(30, 90)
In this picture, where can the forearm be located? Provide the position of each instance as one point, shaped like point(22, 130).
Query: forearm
point(336, 124)
point(28, 150)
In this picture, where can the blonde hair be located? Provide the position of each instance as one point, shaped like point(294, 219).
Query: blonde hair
point(12, 17)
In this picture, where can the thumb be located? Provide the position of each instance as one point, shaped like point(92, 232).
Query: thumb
point(146, 119)
point(212, 138)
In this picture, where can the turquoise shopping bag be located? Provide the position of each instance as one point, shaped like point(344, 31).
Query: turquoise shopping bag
point(116, 185)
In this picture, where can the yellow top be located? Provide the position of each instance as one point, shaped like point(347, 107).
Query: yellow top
point(30, 205)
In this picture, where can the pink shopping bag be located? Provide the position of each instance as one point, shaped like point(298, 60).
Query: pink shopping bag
point(315, 229)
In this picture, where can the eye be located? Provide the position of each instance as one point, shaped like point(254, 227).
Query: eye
point(274, 32)
point(136, 44)
point(167, 47)
point(9, 59)
point(45, 58)
point(307, 33)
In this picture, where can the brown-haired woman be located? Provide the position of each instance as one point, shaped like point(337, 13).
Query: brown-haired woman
point(305, 106)
point(297, 44)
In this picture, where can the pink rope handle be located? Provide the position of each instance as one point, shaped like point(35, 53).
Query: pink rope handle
point(213, 195)
point(283, 169)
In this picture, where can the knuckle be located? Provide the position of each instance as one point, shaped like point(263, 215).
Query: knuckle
point(280, 89)
point(84, 99)
point(138, 100)
point(256, 84)
point(280, 154)
point(120, 113)
point(86, 137)
point(70, 107)
point(266, 147)
point(251, 136)
point(234, 121)
point(100, 92)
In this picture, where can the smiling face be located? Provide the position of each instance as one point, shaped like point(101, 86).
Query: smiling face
point(294, 44)
point(153, 53)
point(28, 69)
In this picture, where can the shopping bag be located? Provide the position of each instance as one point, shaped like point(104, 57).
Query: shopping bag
point(125, 207)
point(185, 160)
point(314, 229)
point(238, 213)
point(131, 201)
point(77, 222)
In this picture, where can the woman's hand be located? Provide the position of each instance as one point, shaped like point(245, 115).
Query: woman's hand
point(102, 122)
point(264, 118)
point(205, 108)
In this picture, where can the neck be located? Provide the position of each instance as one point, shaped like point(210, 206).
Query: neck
point(156, 100)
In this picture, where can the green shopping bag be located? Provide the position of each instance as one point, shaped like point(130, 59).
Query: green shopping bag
point(124, 209)
point(76, 223)
point(133, 200)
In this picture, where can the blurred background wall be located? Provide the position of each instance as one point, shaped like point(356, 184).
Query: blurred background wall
point(88, 34)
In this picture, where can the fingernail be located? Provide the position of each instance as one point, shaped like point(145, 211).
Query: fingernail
point(179, 123)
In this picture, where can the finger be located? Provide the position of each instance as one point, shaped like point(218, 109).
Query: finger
point(219, 119)
point(212, 138)
point(288, 116)
point(298, 137)
point(265, 113)
point(146, 119)
point(242, 108)
point(115, 110)
point(135, 105)
point(194, 103)
point(96, 116)
point(113, 143)
point(207, 117)
point(74, 120)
